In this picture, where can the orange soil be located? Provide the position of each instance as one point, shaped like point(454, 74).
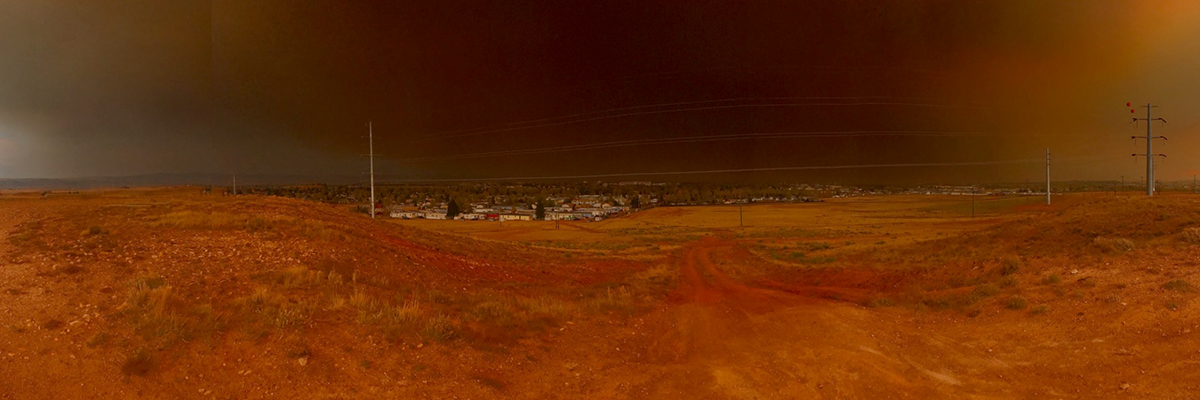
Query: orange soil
point(736, 325)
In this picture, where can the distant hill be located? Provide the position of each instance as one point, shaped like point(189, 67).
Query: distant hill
point(169, 180)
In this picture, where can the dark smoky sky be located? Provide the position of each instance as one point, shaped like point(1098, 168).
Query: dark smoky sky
point(98, 88)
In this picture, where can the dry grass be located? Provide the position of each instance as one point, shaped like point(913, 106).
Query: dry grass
point(211, 220)
point(159, 315)
point(1009, 266)
point(1016, 303)
point(1113, 245)
point(439, 328)
point(1190, 236)
point(189, 219)
point(139, 363)
point(266, 308)
point(1179, 285)
point(619, 300)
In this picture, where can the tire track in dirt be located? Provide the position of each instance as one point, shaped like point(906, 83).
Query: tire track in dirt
point(734, 340)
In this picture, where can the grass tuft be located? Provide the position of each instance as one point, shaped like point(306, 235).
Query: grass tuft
point(1113, 245)
point(439, 328)
point(1016, 303)
point(139, 363)
point(1191, 236)
point(1009, 266)
point(1179, 285)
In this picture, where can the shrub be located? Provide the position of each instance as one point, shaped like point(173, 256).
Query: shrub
point(1191, 235)
point(1052, 280)
point(1039, 310)
point(1179, 285)
point(265, 308)
point(612, 300)
point(491, 310)
point(1016, 303)
point(1111, 245)
point(98, 340)
point(297, 277)
point(545, 306)
point(1009, 281)
point(138, 363)
point(1009, 266)
point(981, 292)
point(880, 302)
point(439, 328)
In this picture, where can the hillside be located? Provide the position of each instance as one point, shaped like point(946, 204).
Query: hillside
point(169, 293)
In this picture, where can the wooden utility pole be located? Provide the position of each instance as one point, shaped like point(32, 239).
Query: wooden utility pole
point(371, 148)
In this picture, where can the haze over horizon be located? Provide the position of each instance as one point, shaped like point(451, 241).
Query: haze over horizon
point(499, 89)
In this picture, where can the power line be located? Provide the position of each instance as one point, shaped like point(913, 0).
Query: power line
point(686, 109)
point(695, 139)
point(682, 103)
point(684, 72)
point(723, 171)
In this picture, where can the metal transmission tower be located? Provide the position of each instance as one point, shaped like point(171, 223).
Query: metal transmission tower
point(1047, 176)
point(1149, 145)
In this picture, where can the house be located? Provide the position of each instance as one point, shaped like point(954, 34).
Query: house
point(471, 216)
point(405, 214)
point(434, 214)
point(559, 216)
point(516, 217)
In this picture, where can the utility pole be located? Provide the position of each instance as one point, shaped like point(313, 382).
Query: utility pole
point(235, 183)
point(1047, 176)
point(741, 222)
point(1149, 146)
point(972, 201)
point(371, 148)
